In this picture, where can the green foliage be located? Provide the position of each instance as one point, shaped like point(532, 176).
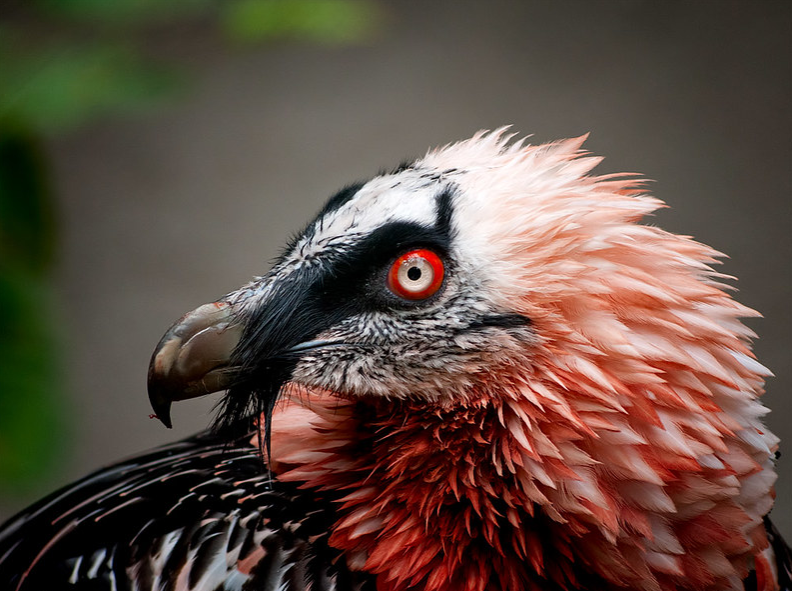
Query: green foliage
point(67, 62)
point(30, 385)
point(27, 225)
point(31, 407)
point(124, 12)
point(62, 87)
point(326, 21)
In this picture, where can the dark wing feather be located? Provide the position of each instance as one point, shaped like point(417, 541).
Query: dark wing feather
point(199, 514)
point(783, 556)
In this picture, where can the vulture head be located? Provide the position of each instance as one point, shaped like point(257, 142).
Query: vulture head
point(505, 371)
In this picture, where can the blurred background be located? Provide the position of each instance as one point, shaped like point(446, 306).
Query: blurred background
point(155, 155)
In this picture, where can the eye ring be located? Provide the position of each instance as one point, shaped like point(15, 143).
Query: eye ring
point(416, 275)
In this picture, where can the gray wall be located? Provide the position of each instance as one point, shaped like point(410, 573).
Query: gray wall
point(174, 209)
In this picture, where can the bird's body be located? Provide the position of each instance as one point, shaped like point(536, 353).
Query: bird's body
point(474, 373)
point(197, 514)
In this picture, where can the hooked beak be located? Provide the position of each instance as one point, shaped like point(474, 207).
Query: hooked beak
point(193, 358)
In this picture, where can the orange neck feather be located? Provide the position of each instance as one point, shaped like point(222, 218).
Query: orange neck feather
point(431, 504)
point(451, 499)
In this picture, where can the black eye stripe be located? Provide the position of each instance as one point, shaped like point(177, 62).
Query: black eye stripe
point(359, 270)
point(356, 277)
point(500, 320)
point(343, 282)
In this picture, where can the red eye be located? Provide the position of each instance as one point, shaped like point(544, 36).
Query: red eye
point(416, 275)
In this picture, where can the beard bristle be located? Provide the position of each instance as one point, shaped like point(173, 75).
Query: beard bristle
point(243, 408)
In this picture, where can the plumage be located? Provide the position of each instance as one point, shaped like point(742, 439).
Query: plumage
point(476, 372)
point(197, 514)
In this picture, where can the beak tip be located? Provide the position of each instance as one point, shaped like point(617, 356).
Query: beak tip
point(161, 407)
point(164, 420)
point(192, 357)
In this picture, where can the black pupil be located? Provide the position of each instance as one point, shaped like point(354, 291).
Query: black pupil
point(414, 273)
